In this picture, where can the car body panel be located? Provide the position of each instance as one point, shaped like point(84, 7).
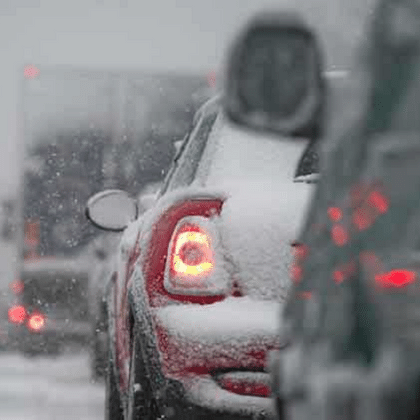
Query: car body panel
point(197, 336)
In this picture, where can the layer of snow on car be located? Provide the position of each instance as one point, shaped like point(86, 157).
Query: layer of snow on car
point(266, 207)
point(206, 393)
point(236, 318)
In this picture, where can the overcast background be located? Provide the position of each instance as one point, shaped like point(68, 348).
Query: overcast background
point(189, 35)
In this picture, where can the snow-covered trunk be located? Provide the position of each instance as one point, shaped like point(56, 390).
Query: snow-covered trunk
point(261, 218)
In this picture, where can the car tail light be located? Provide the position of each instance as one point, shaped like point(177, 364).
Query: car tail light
point(193, 264)
point(192, 254)
point(17, 314)
point(396, 278)
point(36, 322)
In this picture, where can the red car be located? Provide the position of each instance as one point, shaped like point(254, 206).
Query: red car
point(201, 277)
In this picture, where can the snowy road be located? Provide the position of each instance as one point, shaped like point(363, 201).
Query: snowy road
point(49, 389)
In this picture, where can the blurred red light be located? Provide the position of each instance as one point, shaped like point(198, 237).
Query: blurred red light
point(30, 72)
point(378, 201)
point(296, 273)
point(339, 235)
point(396, 278)
point(338, 276)
point(17, 314)
point(335, 214)
point(300, 251)
point(36, 322)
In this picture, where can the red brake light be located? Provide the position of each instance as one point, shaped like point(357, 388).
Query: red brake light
point(36, 322)
point(17, 314)
point(192, 253)
point(335, 213)
point(396, 278)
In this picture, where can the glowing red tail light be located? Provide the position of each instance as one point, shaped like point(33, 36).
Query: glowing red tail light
point(17, 314)
point(36, 322)
point(192, 254)
point(396, 278)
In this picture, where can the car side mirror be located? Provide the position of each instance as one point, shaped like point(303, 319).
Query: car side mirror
point(112, 210)
point(274, 78)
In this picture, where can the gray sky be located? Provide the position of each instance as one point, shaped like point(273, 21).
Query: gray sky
point(146, 34)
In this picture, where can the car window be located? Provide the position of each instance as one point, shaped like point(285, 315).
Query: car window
point(309, 162)
point(185, 165)
point(174, 164)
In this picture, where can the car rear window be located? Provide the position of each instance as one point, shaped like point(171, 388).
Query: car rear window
point(188, 162)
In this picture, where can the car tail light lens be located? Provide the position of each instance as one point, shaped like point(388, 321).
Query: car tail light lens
point(396, 278)
point(193, 265)
point(17, 314)
point(192, 254)
point(36, 322)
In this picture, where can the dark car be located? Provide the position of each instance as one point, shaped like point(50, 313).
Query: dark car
point(201, 277)
point(353, 313)
point(50, 306)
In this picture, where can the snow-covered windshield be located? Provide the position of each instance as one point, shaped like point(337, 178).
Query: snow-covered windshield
point(97, 95)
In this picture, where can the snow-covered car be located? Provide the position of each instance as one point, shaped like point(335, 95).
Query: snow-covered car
point(50, 306)
point(201, 277)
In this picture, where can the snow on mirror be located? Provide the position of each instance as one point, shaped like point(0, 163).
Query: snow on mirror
point(111, 210)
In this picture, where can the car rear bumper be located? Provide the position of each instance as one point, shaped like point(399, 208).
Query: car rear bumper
point(205, 349)
point(202, 398)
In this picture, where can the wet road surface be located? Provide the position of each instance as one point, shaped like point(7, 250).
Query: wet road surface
point(43, 388)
